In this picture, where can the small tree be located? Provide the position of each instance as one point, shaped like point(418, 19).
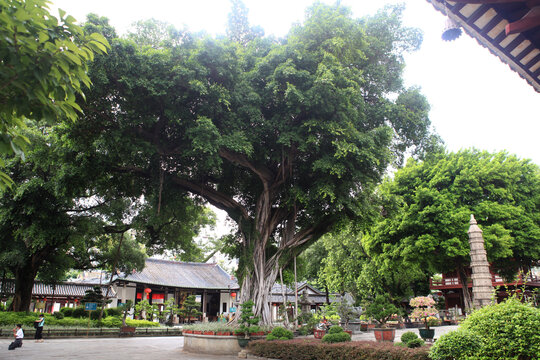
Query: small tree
point(125, 310)
point(190, 308)
point(171, 309)
point(381, 309)
point(248, 321)
point(423, 308)
point(142, 308)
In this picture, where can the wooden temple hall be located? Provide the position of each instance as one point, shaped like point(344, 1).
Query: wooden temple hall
point(161, 280)
point(52, 297)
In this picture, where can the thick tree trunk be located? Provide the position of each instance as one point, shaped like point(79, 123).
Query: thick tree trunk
point(24, 282)
point(467, 302)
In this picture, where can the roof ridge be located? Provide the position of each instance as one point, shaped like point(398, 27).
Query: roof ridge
point(180, 262)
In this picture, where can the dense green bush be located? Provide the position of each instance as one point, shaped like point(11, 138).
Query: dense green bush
point(280, 333)
point(141, 323)
point(303, 349)
point(26, 319)
point(79, 312)
point(336, 329)
point(460, 344)
point(58, 315)
point(114, 312)
point(336, 337)
point(509, 330)
point(408, 336)
point(67, 311)
point(111, 322)
point(415, 343)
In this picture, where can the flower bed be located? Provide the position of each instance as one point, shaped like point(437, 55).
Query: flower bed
point(304, 349)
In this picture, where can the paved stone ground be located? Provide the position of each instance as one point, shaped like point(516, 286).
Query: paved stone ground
point(137, 348)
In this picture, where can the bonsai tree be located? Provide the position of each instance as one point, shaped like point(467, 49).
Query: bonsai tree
point(347, 312)
point(125, 310)
point(381, 310)
point(171, 309)
point(423, 309)
point(190, 308)
point(248, 321)
point(142, 308)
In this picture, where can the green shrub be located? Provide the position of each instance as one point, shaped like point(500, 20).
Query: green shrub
point(79, 312)
point(58, 315)
point(67, 311)
point(509, 330)
point(311, 349)
point(336, 337)
point(408, 336)
point(459, 344)
point(114, 312)
point(305, 330)
point(415, 343)
point(111, 322)
point(141, 323)
point(335, 329)
point(280, 333)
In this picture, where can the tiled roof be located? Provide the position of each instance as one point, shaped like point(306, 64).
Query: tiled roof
point(63, 289)
point(183, 275)
point(487, 22)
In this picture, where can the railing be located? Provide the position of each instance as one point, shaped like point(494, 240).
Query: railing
point(495, 279)
point(94, 332)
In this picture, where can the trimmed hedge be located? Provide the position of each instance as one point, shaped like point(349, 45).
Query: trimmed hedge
point(280, 333)
point(27, 320)
point(336, 337)
point(311, 349)
point(460, 344)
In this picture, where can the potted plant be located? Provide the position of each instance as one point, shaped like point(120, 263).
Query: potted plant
point(126, 330)
point(381, 310)
point(248, 323)
point(346, 313)
point(423, 310)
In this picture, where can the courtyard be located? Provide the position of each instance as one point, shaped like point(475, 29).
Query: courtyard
point(137, 348)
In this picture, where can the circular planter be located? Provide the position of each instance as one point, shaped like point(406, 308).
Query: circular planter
point(363, 327)
point(319, 333)
point(427, 334)
point(384, 334)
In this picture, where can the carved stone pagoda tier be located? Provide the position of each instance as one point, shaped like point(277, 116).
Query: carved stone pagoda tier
point(481, 277)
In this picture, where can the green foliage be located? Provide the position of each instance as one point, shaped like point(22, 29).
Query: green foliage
point(58, 315)
point(141, 323)
point(248, 321)
point(79, 312)
point(459, 344)
point(381, 309)
point(335, 329)
point(336, 337)
point(190, 308)
point(226, 121)
point(111, 322)
point(67, 311)
point(44, 66)
point(143, 308)
point(304, 349)
point(509, 330)
point(280, 333)
point(415, 343)
point(114, 311)
point(427, 207)
point(408, 336)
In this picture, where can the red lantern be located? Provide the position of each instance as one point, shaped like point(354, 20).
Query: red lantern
point(233, 294)
point(148, 290)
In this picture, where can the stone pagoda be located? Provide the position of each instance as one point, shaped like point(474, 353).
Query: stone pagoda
point(481, 277)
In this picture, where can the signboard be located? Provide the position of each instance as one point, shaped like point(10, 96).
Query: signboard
point(232, 309)
point(90, 306)
point(198, 298)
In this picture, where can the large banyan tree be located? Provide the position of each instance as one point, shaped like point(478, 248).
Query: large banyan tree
point(288, 137)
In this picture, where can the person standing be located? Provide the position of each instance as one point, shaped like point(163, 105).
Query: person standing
point(38, 324)
point(19, 335)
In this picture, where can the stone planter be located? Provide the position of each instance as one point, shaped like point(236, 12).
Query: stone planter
point(211, 344)
point(348, 332)
point(384, 335)
point(243, 342)
point(363, 327)
point(427, 334)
